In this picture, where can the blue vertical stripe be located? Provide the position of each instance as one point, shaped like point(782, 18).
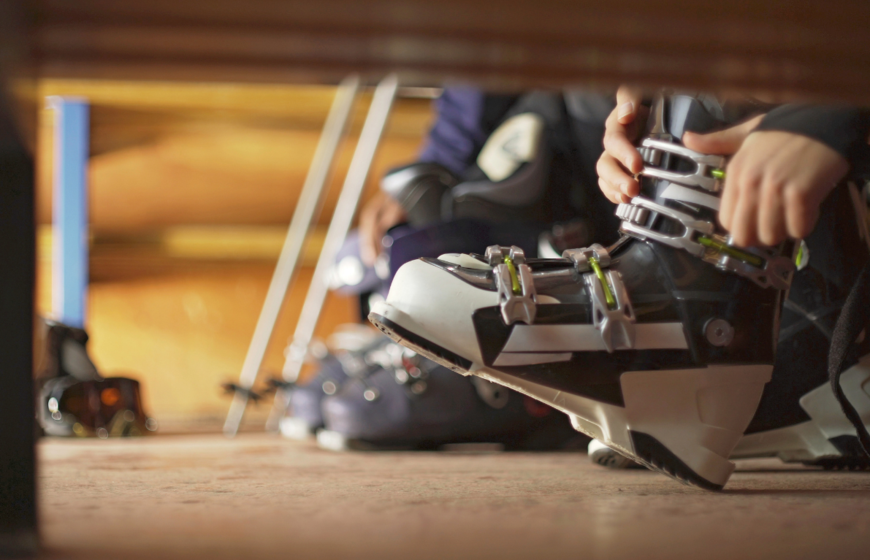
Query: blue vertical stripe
point(70, 236)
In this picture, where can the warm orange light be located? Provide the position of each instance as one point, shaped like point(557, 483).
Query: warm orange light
point(110, 397)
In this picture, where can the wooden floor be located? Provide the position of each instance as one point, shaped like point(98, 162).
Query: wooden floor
point(262, 497)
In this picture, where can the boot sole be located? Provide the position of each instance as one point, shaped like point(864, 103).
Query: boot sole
point(331, 440)
point(727, 401)
point(296, 429)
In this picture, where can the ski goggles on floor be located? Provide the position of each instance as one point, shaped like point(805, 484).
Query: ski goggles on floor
point(106, 408)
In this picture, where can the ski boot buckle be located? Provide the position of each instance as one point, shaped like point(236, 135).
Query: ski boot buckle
point(612, 312)
point(637, 211)
point(583, 258)
point(764, 266)
point(514, 283)
point(709, 170)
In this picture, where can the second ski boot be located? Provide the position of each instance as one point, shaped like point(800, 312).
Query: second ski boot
point(659, 346)
point(304, 411)
point(304, 414)
point(396, 399)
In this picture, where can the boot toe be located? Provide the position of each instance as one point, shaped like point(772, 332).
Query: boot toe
point(435, 308)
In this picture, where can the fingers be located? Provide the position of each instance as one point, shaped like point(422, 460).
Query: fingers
point(614, 180)
point(744, 220)
point(724, 142)
point(802, 214)
point(621, 128)
point(380, 214)
point(619, 147)
point(775, 185)
point(729, 196)
point(771, 225)
point(621, 160)
point(628, 100)
point(612, 194)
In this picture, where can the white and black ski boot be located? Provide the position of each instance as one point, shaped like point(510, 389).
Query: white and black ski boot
point(799, 419)
point(659, 346)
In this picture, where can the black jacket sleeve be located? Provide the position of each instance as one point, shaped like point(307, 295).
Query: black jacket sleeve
point(843, 129)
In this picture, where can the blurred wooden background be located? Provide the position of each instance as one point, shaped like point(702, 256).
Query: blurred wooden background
point(192, 186)
point(200, 145)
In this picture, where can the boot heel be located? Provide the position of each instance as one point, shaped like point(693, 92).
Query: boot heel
point(685, 423)
point(682, 423)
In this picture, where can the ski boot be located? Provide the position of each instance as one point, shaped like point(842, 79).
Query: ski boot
point(799, 420)
point(659, 346)
point(396, 399)
point(75, 401)
point(304, 416)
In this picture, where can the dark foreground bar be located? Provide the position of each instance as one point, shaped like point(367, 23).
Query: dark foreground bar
point(784, 47)
point(18, 528)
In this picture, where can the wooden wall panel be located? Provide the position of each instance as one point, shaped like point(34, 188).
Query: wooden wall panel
point(234, 177)
point(165, 154)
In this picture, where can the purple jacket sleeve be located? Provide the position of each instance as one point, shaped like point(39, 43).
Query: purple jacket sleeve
point(465, 118)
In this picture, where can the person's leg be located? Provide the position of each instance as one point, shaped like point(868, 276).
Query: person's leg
point(798, 418)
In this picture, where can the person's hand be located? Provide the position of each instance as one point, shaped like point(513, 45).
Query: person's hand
point(378, 215)
point(621, 161)
point(774, 184)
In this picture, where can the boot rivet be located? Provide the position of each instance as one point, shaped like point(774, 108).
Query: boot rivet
point(371, 394)
point(719, 332)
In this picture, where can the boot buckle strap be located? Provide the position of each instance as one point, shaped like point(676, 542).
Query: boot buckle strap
point(612, 311)
point(496, 254)
point(514, 284)
point(709, 170)
point(582, 257)
point(687, 241)
point(763, 266)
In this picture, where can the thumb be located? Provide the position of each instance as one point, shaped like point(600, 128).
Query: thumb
point(724, 142)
